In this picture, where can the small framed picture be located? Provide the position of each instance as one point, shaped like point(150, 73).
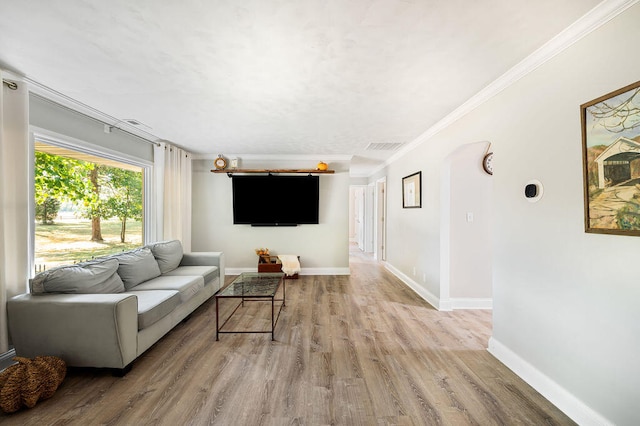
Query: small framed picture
point(412, 191)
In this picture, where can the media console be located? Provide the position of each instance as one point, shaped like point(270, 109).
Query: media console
point(268, 263)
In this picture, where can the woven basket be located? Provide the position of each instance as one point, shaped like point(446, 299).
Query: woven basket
point(30, 380)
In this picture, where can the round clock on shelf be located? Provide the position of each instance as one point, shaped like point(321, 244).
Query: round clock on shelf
point(487, 163)
point(220, 163)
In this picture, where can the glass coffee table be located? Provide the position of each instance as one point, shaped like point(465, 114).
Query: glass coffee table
point(251, 286)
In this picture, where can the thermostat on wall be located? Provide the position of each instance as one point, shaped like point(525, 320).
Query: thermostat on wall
point(533, 190)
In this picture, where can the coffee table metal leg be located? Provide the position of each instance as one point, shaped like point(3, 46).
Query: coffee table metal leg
point(217, 320)
point(272, 324)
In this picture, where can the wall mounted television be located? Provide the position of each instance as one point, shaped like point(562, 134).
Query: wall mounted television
point(273, 200)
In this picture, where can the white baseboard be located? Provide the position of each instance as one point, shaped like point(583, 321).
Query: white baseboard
point(325, 271)
point(577, 410)
point(429, 297)
point(471, 303)
point(435, 301)
point(303, 271)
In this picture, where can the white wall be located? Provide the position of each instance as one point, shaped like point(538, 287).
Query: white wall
point(352, 214)
point(566, 313)
point(469, 216)
point(323, 248)
point(413, 243)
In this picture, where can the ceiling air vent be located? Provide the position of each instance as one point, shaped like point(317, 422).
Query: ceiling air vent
point(135, 123)
point(383, 146)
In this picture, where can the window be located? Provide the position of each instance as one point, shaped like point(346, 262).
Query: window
point(86, 205)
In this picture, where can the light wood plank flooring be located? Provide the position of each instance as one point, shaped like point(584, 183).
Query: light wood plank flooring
point(350, 350)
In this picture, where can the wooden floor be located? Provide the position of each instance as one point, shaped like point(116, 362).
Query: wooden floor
point(349, 350)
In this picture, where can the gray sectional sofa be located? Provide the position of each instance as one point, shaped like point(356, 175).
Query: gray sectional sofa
point(106, 312)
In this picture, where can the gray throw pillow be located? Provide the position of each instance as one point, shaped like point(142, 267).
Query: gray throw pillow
point(93, 277)
point(137, 266)
point(168, 254)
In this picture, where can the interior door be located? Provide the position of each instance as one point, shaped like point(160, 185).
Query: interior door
point(359, 213)
point(381, 219)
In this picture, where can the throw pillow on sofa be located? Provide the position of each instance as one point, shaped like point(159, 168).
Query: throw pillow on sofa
point(136, 266)
point(96, 276)
point(168, 254)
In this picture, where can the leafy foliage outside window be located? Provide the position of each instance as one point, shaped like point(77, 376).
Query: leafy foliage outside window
point(102, 192)
point(47, 210)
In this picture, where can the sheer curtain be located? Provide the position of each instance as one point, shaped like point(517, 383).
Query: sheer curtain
point(14, 198)
point(172, 167)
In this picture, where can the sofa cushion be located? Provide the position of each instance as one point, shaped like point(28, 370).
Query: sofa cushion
point(208, 272)
point(188, 286)
point(96, 276)
point(168, 254)
point(136, 266)
point(153, 305)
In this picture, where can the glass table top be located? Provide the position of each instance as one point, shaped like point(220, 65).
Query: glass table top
point(252, 284)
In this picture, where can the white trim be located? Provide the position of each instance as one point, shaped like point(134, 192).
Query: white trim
point(380, 226)
point(429, 297)
point(303, 271)
point(69, 142)
point(325, 271)
point(32, 210)
point(79, 145)
point(577, 410)
point(445, 229)
point(592, 20)
point(470, 303)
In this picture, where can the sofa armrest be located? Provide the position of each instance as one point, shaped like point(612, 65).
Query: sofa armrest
point(86, 330)
point(205, 258)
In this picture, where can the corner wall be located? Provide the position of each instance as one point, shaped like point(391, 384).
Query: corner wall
point(565, 305)
point(466, 229)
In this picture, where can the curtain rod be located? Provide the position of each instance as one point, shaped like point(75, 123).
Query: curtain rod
point(10, 84)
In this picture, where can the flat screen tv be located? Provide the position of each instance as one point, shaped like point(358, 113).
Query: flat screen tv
point(275, 200)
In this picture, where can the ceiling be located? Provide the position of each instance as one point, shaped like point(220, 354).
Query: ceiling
point(315, 77)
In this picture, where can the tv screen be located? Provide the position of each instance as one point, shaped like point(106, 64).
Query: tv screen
point(275, 200)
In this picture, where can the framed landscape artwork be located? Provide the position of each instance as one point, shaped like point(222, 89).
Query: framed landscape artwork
point(412, 191)
point(611, 162)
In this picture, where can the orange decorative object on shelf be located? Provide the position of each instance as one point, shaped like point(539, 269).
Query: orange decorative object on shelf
point(322, 166)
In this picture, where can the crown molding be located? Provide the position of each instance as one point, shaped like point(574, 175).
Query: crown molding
point(592, 20)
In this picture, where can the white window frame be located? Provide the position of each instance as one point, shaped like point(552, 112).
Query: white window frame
point(63, 141)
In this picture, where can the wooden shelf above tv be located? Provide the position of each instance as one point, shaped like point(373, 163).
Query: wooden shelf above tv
point(301, 171)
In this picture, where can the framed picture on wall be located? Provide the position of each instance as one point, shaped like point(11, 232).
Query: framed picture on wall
point(412, 191)
point(611, 162)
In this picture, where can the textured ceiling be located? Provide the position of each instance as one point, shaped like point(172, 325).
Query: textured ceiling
point(321, 77)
